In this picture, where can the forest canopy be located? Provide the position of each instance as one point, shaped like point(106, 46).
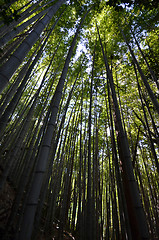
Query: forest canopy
point(79, 119)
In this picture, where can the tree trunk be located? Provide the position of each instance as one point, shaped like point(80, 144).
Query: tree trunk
point(29, 214)
point(135, 209)
point(149, 90)
point(8, 69)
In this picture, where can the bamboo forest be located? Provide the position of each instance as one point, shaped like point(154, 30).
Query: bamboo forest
point(79, 120)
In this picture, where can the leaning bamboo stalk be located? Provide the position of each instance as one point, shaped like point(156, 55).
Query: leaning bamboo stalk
point(137, 216)
point(8, 69)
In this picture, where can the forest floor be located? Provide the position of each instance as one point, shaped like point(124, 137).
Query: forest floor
point(6, 200)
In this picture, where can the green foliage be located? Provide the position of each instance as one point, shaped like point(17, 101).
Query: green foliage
point(147, 4)
point(8, 14)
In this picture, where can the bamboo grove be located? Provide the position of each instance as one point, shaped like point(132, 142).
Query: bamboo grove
point(79, 119)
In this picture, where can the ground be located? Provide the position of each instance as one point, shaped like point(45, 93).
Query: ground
point(6, 201)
